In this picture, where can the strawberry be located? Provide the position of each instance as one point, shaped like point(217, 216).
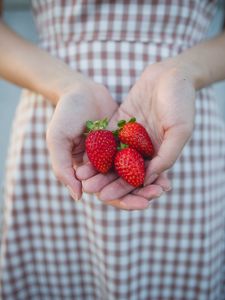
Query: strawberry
point(129, 165)
point(100, 145)
point(136, 136)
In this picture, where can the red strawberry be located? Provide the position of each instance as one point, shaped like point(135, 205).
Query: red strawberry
point(136, 136)
point(100, 145)
point(129, 165)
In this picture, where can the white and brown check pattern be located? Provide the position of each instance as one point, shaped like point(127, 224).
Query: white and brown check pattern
point(56, 249)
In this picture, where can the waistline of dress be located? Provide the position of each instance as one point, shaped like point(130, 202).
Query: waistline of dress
point(69, 46)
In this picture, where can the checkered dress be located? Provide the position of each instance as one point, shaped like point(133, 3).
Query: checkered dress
point(56, 249)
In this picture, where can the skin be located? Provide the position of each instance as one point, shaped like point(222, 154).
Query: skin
point(162, 99)
point(158, 100)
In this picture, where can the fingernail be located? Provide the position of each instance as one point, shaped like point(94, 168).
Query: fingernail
point(150, 179)
point(150, 204)
point(159, 194)
point(136, 204)
point(123, 205)
point(167, 188)
point(72, 194)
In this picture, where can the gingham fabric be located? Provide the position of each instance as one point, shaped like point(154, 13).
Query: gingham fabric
point(56, 249)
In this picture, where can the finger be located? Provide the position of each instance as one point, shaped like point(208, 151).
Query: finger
point(164, 182)
point(149, 192)
point(171, 147)
point(85, 171)
point(85, 158)
point(77, 160)
point(62, 164)
point(115, 190)
point(96, 183)
point(118, 115)
point(129, 202)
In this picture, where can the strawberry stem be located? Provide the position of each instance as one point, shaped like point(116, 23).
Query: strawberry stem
point(121, 123)
point(115, 133)
point(132, 120)
point(122, 146)
point(89, 125)
point(96, 125)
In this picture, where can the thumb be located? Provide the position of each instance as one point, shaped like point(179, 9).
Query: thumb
point(119, 114)
point(60, 150)
point(174, 140)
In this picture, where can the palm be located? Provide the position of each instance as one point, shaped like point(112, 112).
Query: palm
point(92, 105)
point(163, 101)
point(65, 132)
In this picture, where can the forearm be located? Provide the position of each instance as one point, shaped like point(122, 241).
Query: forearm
point(24, 64)
point(205, 62)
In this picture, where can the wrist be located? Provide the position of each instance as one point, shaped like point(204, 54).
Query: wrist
point(201, 62)
point(66, 81)
point(191, 70)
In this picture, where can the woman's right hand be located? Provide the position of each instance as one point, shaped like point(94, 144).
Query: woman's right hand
point(80, 102)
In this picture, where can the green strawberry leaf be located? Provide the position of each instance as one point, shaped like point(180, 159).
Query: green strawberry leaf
point(121, 123)
point(89, 125)
point(115, 133)
point(96, 125)
point(104, 123)
point(122, 146)
point(132, 120)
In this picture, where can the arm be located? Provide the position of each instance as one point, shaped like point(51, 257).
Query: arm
point(163, 101)
point(1, 8)
point(205, 62)
point(76, 97)
point(195, 68)
point(24, 64)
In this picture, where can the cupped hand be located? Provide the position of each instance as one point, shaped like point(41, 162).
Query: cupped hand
point(163, 101)
point(80, 102)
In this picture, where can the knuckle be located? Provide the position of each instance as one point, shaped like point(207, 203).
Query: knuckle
point(169, 164)
point(164, 164)
point(52, 137)
point(102, 88)
point(186, 130)
point(49, 135)
point(58, 173)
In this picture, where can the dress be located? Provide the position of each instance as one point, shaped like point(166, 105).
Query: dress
point(56, 249)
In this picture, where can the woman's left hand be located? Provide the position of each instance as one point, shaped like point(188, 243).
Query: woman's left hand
point(163, 101)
